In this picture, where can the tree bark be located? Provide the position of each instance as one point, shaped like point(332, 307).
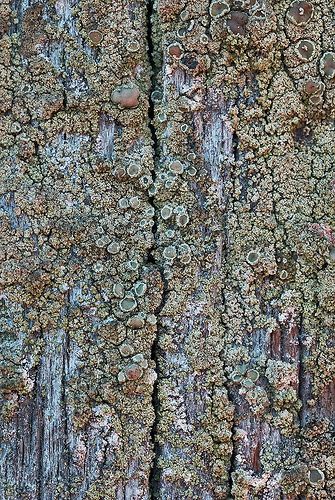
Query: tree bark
point(168, 249)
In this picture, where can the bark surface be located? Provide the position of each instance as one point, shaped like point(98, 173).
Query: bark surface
point(168, 249)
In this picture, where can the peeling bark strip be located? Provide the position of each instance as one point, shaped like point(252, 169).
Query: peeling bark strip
point(168, 260)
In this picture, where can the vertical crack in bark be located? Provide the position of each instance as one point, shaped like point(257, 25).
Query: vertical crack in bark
point(233, 453)
point(303, 385)
point(154, 473)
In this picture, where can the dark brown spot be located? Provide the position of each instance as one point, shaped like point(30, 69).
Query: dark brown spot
point(175, 50)
point(238, 22)
point(190, 61)
point(303, 134)
point(95, 36)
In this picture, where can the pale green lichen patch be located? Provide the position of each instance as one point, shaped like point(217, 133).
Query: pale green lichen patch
point(253, 257)
point(253, 375)
point(170, 252)
point(118, 290)
point(176, 167)
point(166, 212)
point(140, 289)
point(134, 170)
point(140, 360)
point(121, 377)
point(114, 247)
point(133, 46)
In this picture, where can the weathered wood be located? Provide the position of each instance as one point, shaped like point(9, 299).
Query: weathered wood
point(168, 249)
point(76, 235)
point(243, 377)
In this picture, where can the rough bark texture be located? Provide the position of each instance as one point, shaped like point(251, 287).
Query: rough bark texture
point(168, 249)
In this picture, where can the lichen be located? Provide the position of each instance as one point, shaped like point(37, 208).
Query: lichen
point(126, 96)
point(214, 379)
point(300, 12)
point(327, 65)
point(237, 22)
point(305, 50)
point(218, 8)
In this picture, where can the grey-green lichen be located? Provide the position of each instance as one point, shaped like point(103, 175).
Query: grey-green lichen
point(89, 217)
point(74, 122)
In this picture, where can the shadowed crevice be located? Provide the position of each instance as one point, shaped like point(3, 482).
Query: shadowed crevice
point(154, 479)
